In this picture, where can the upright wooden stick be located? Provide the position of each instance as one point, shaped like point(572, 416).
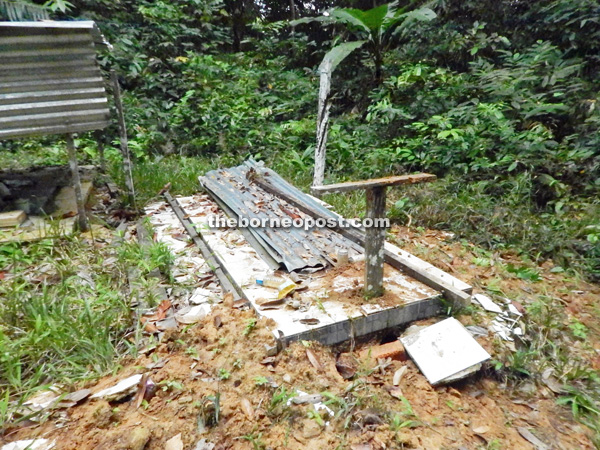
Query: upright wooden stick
point(375, 235)
point(82, 221)
point(374, 240)
point(322, 123)
point(123, 139)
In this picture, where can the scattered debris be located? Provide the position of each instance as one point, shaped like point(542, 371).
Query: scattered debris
point(487, 303)
point(192, 314)
point(204, 445)
point(394, 391)
point(532, 439)
point(247, 408)
point(314, 360)
point(346, 365)
point(175, 443)
point(30, 444)
point(138, 438)
point(444, 350)
point(121, 390)
point(394, 350)
point(398, 375)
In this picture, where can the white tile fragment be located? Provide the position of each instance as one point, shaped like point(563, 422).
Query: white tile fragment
point(443, 350)
point(487, 303)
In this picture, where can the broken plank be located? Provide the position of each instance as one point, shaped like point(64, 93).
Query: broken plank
point(376, 182)
point(12, 218)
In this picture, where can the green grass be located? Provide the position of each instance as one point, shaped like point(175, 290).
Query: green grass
point(65, 314)
point(502, 213)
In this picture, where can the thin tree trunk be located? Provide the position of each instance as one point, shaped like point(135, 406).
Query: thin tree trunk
point(82, 221)
point(123, 139)
point(322, 123)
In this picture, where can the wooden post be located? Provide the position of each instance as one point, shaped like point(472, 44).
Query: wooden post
point(82, 221)
point(374, 240)
point(322, 122)
point(374, 236)
point(413, 266)
point(123, 139)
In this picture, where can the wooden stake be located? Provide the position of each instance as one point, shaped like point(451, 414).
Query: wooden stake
point(375, 236)
point(374, 239)
point(82, 221)
point(123, 139)
point(322, 123)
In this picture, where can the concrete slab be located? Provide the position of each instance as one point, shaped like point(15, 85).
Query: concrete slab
point(327, 310)
point(444, 351)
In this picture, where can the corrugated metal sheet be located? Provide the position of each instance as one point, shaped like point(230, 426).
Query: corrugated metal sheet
point(49, 80)
point(294, 248)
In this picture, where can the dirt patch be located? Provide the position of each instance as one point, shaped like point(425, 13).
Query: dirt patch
point(219, 358)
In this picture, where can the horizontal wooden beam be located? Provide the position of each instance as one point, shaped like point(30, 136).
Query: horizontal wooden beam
point(376, 182)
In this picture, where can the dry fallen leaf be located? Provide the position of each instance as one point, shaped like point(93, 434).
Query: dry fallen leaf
point(247, 408)
point(309, 321)
point(398, 375)
point(346, 366)
point(313, 359)
point(175, 443)
point(139, 396)
point(481, 430)
point(394, 391)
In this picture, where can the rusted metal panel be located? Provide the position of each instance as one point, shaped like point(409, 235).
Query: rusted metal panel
point(50, 82)
point(295, 248)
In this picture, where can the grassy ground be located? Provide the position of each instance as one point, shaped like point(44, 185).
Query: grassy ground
point(65, 314)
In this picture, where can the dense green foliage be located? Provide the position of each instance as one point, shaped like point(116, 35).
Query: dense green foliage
point(498, 98)
point(501, 99)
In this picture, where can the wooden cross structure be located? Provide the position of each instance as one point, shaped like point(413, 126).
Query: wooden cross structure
point(50, 83)
point(374, 235)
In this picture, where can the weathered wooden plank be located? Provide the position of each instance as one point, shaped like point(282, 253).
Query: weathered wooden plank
point(377, 182)
point(12, 218)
